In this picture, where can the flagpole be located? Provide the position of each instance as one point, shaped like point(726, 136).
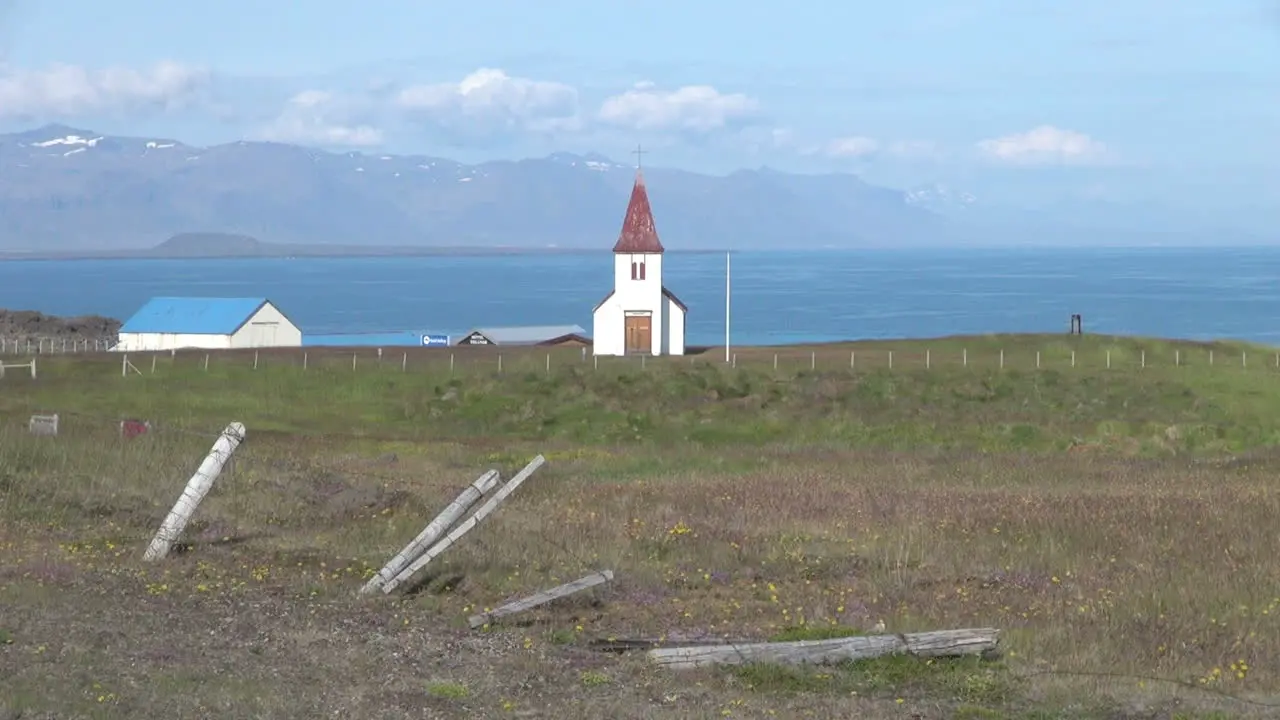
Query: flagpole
point(726, 307)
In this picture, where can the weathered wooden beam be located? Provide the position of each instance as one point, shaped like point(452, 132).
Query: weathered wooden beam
point(943, 643)
point(449, 540)
point(542, 598)
point(433, 530)
point(195, 491)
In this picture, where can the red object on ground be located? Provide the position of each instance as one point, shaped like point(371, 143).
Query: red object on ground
point(134, 428)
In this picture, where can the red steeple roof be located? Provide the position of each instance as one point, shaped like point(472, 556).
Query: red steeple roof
point(638, 232)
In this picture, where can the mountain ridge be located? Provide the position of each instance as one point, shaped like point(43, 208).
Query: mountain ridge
point(73, 190)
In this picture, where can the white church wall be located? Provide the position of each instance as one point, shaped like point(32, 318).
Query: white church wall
point(608, 335)
point(673, 317)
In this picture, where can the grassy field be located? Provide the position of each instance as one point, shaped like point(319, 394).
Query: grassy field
point(1115, 523)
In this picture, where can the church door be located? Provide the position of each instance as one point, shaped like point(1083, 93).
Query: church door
point(639, 332)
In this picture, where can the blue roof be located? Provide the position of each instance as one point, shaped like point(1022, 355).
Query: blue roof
point(193, 316)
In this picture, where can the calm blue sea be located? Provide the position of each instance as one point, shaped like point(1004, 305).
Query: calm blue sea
point(778, 297)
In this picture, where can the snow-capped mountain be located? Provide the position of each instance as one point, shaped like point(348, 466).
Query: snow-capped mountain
point(72, 188)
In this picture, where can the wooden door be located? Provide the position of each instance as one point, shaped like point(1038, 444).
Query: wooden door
point(639, 333)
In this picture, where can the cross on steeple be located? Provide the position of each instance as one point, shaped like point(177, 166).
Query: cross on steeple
point(638, 152)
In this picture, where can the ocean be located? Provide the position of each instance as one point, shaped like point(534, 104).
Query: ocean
point(778, 297)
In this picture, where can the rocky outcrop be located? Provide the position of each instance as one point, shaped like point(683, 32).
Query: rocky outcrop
point(18, 327)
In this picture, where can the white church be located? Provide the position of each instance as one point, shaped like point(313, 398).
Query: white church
point(640, 316)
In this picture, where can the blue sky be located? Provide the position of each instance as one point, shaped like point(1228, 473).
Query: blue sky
point(1129, 100)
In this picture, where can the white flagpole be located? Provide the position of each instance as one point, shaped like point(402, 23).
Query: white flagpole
point(726, 307)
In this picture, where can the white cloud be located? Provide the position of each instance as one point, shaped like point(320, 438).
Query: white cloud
point(67, 90)
point(489, 100)
point(853, 147)
point(699, 108)
point(1044, 145)
point(316, 117)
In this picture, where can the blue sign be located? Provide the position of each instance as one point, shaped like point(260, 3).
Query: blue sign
point(435, 340)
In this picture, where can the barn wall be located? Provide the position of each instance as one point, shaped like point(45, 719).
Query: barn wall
point(146, 342)
point(267, 328)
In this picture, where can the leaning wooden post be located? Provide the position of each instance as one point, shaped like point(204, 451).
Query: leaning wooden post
point(433, 530)
point(449, 540)
point(542, 598)
point(195, 491)
point(945, 643)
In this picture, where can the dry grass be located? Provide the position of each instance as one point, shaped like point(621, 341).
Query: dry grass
point(1110, 567)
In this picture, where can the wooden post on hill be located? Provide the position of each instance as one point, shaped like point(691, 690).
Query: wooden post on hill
point(964, 357)
point(928, 359)
point(1142, 359)
point(890, 359)
point(153, 364)
point(813, 360)
point(1244, 359)
point(450, 363)
point(434, 529)
point(255, 359)
point(945, 643)
point(548, 363)
point(404, 361)
point(1001, 358)
point(775, 361)
point(853, 359)
point(1037, 359)
point(449, 540)
point(1073, 358)
point(195, 491)
point(206, 362)
point(1210, 358)
point(1177, 358)
point(499, 363)
point(353, 362)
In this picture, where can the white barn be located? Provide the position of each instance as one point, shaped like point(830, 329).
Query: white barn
point(640, 315)
point(176, 323)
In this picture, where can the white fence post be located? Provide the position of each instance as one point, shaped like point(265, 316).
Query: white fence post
point(195, 491)
point(449, 540)
point(433, 530)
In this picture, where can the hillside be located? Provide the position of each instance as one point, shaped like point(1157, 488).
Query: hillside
point(1106, 503)
point(71, 189)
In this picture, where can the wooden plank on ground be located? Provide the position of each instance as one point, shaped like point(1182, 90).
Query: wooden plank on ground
point(542, 598)
point(943, 643)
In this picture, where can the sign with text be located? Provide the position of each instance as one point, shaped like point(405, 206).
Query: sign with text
point(435, 340)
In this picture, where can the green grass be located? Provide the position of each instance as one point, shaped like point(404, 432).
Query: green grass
point(1116, 519)
point(1157, 409)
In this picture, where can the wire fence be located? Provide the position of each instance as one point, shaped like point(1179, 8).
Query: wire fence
point(914, 356)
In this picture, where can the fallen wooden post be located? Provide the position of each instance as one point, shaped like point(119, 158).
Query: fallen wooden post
point(433, 530)
point(944, 643)
point(485, 510)
point(542, 598)
point(195, 491)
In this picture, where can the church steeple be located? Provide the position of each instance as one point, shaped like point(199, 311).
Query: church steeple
point(639, 235)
